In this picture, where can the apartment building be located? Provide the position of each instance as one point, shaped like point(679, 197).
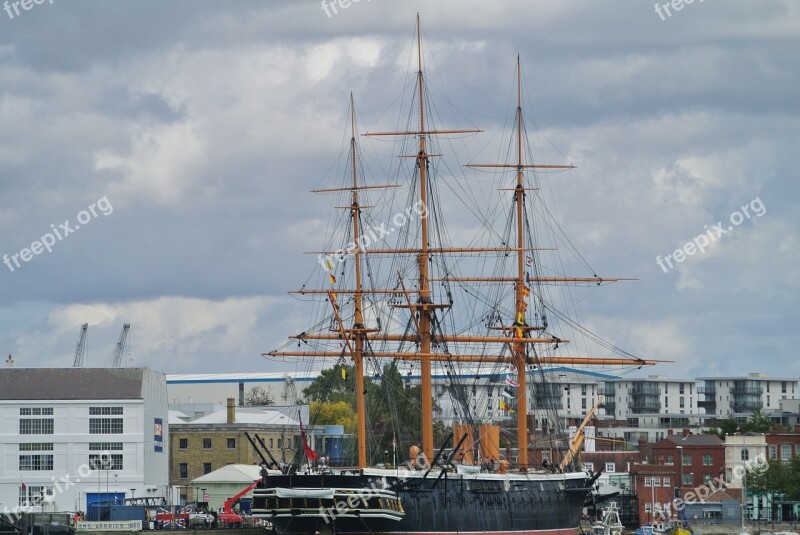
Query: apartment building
point(739, 397)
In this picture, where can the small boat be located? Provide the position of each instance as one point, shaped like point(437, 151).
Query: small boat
point(611, 524)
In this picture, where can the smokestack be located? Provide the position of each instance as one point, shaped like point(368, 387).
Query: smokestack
point(231, 411)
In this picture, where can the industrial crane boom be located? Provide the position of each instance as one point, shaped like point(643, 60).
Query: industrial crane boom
point(120, 349)
point(80, 349)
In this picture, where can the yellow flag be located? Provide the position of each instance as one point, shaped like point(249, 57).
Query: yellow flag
point(520, 318)
point(344, 373)
point(333, 279)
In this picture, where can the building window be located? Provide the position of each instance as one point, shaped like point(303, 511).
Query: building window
point(783, 387)
point(647, 507)
point(206, 468)
point(670, 459)
point(707, 478)
point(183, 443)
point(666, 481)
point(105, 426)
point(656, 481)
point(680, 388)
point(688, 479)
point(786, 452)
point(206, 443)
point(773, 452)
point(546, 456)
point(583, 403)
point(231, 443)
point(105, 446)
point(648, 481)
point(745, 454)
point(687, 460)
point(271, 444)
point(42, 446)
point(588, 467)
point(35, 462)
point(34, 495)
point(105, 411)
point(36, 426)
point(611, 467)
point(183, 471)
point(36, 411)
point(583, 390)
point(707, 461)
point(681, 402)
point(105, 461)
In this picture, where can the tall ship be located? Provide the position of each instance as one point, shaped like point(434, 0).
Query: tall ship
point(396, 292)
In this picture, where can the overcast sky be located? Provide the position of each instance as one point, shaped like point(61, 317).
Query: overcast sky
point(201, 126)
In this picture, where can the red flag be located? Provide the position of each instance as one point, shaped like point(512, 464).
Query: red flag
point(310, 454)
point(24, 486)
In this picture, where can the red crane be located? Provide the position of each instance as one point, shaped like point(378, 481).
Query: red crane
point(227, 516)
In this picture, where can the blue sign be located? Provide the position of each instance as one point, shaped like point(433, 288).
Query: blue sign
point(159, 435)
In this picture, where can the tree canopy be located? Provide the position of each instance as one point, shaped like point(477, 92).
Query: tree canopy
point(258, 396)
point(393, 406)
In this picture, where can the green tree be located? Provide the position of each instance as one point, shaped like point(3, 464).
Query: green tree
point(258, 396)
point(725, 427)
point(757, 423)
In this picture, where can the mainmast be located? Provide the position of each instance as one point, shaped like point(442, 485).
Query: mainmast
point(358, 320)
point(424, 282)
point(520, 289)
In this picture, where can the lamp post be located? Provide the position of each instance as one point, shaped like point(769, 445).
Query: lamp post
point(680, 454)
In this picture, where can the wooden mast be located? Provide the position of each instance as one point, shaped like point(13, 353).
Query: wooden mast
point(358, 323)
point(424, 283)
point(520, 350)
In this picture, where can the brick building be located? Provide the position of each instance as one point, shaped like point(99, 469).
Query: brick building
point(692, 459)
point(655, 489)
point(782, 446)
point(201, 445)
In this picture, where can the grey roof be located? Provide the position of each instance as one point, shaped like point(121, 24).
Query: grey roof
point(693, 440)
point(71, 383)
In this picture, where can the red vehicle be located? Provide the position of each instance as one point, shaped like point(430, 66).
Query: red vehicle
point(227, 516)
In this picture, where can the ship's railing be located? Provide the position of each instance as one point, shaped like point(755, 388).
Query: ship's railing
point(327, 503)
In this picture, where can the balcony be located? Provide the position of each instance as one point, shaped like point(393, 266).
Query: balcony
point(747, 406)
point(645, 403)
point(747, 391)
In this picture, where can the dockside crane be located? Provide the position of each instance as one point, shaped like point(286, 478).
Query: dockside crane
point(80, 349)
point(120, 349)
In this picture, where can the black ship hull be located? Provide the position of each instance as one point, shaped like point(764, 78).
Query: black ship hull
point(382, 501)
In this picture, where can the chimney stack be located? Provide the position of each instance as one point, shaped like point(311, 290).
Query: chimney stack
point(231, 411)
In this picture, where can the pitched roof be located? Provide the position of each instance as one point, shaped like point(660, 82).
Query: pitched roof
point(232, 473)
point(725, 495)
point(692, 440)
point(71, 383)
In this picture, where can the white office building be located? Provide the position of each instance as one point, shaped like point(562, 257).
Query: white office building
point(75, 436)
